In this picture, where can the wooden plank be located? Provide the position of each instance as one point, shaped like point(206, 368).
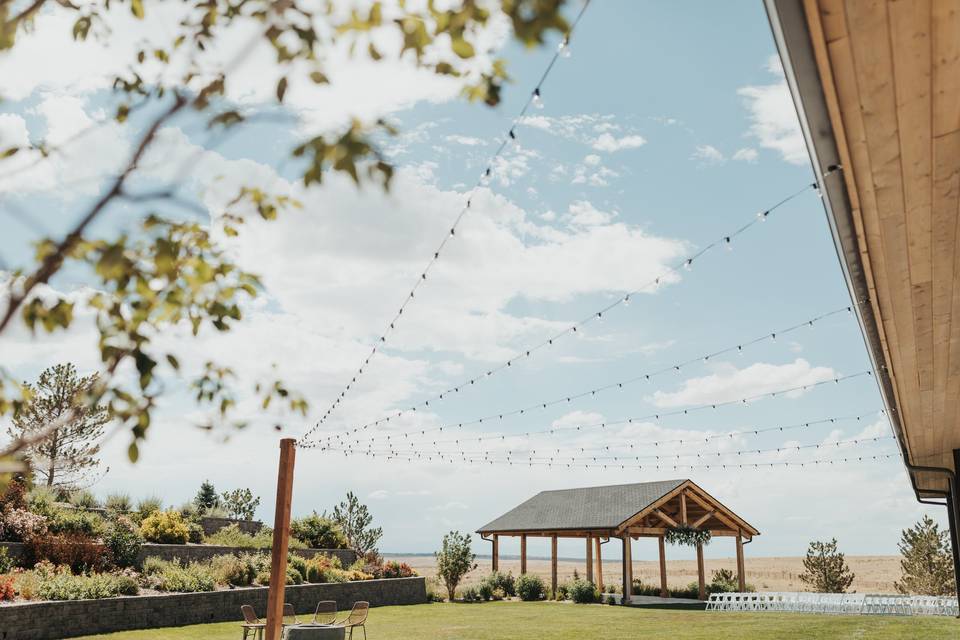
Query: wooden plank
point(683, 507)
point(553, 566)
point(281, 539)
point(663, 567)
point(590, 559)
point(721, 512)
point(495, 554)
point(660, 514)
point(701, 580)
point(699, 521)
point(741, 566)
point(627, 569)
point(599, 564)
point(523, 553)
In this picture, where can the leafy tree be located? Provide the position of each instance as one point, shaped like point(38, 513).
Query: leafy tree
point(240, 503)
point(318, 532)
point(206, 497)
point(826, 568)
point(68, 457)
point(170, 273)
point(354, 520)
point(927, 562)
point(454, 560)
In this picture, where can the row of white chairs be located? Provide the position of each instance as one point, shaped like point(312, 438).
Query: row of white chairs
point(835, 603)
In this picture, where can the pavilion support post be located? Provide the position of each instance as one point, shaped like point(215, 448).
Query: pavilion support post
point(953, 520)
point(495, 556)
point(553, 566)
point(590, 559)
point(663, 567)
point(281, 540)
point(523, 553)
point(627, 569)
point(701, 583)
point(599, 581)
point(741, 566)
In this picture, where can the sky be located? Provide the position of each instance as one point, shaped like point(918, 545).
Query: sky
point(668, 128)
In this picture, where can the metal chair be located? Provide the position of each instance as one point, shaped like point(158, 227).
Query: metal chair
point(326, 613)
point(356, 618)
point(251, 623)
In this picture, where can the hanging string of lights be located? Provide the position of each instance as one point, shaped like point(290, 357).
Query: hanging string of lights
point(565, 399)
point(535, 99)
point(469, 456)
point(654, 416)
point(408, 446)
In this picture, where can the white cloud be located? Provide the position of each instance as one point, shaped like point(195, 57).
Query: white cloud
point(607, 142)
point(730, 383)
point(379, 494)
point(746, 154)
point(708, 154)
point(468, 141)
point(583, 128)
point(584, 214)
point(773, 117)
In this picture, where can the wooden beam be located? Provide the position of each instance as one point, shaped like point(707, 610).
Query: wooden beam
point(553, 566)
point(590, 559)
point(741, 567)
point(627, 569)
point(663, 568)
point(701, 583)
point(599, 582)
point(699, 521)
point(281, 539)
point(717, 513)
point(653, 532)
point(683, 508)
point(660, 514)
point(495, 556)
point(523, 554)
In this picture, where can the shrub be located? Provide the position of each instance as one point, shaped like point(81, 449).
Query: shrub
point(42, 500)
point(298, 564)
point(124, 541)
point(84, 499)
point(394, 569)
point(530, 587)
point(148, 506)
point(61, 585)
point(195, 533)
point(233, 570)
point(14, 494)
point(77, 551)
point(294, 577)
point(216, 511)
point(584, 592)
point(233, 536)
point(321, 568)
point(6, 562)
point(503, 581)
point(263, 577)
point(189, 511)
point(119, 502)
point(470, 594)
point(723, 581)
point(7, 590)
point(318, 532)
point(563, 591)
point(19, 525)
point(485, 591)
point(164, 575)
point(69, 521)
point(165, 527)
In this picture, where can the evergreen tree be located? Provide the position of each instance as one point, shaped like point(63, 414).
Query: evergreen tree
point(826, 568)
point(354, 520)
point(206, 497)
point(927, 562)
point(67, 458)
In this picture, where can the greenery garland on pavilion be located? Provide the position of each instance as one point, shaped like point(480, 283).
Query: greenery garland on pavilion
point(686, 535)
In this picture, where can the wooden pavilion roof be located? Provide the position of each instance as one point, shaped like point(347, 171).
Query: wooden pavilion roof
point(638, 509)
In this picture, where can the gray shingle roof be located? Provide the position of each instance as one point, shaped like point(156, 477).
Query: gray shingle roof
point(587, 508)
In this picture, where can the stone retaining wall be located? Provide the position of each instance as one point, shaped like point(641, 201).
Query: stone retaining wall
point(197, 552)
point(55, 620)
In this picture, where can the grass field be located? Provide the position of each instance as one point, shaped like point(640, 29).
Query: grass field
point(562, 621)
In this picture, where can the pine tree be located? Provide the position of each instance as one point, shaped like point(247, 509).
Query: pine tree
point(355, 520)
point(826, 568)
point(927, 562)
point(67, 458)
point(206, 497)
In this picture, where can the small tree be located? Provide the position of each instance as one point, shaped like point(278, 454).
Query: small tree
point(240, 503)
point(927, 562)
point(826, 568)
point(68, 457)
point(354, 520)
point(206, 497)
point(454, 560)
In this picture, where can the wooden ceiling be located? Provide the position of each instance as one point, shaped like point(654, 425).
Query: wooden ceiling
point(890, 74)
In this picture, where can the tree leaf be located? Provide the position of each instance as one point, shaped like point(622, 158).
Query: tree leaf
point(136, 8)
point(281, 88)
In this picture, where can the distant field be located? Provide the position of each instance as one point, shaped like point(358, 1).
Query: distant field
point(874, 574)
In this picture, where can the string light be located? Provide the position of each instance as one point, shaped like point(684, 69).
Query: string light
point(618, 384)
point(564, 51)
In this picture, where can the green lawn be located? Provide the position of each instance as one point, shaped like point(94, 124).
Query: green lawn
point(536, 621)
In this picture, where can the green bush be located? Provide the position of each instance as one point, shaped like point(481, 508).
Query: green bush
point(299, 564)
point(60, 584)
point(318, 532)
point(237, 571)
point(84, 499)
point(503, 581)
point(148, 506)
point(530, 587)
point(164, 575)
point(195, 535)
point(232, 536)
point(124, 541)
point(563, 591)
point(6, 562)
point(584, 592)
point(470, 594)
point(69, 521)
point(485, 591)
point(165, 527)
point(42, 501)
point(119, 502)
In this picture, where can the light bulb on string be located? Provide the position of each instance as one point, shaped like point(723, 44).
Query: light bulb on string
point(537, 100)
point(728, 244)
point(564, 48)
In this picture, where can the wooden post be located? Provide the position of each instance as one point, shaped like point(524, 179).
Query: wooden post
point(741, 567)
point(281, 539)
point(627, 569)
point(683, 508)
point(599, 565)
point(553, 566)
point(523, 553)
point(495, 561)
point(663, 568)
point(590, 559)
point(700, 579)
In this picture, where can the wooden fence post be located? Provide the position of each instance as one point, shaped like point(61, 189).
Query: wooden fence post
point(281, 539)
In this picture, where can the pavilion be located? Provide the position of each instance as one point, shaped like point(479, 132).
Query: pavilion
point(625, 511)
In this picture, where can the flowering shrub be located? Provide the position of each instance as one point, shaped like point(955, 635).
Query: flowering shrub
point(19, 525)
point(7, 590)
point(165, 527)
point(391, 569)
point(77, 551)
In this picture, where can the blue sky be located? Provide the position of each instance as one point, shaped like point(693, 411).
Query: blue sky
point(669, 127)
